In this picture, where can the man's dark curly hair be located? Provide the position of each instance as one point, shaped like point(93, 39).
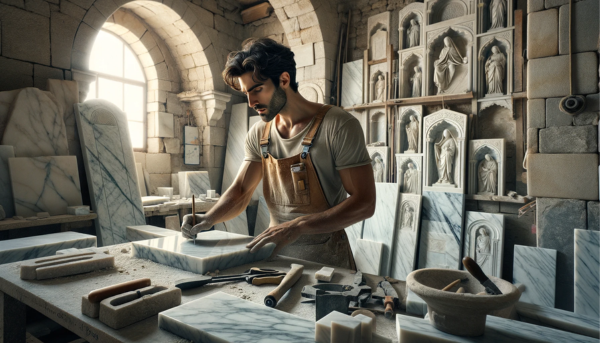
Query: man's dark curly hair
point(266, 58)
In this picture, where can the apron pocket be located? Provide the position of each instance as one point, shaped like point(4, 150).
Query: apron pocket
point(301, 186)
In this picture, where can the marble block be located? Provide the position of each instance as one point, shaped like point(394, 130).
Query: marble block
point(139, 173)
point(560, 319)
point(6, 195)
point(65, 265)
point(368, 256)
point(381, 226)
point(263, 217)
point(221, 317)
point(354, 232)
point(165, 192)
point(497, 330)
point(441, 230)
point(78, 210)
point(110, 169)
point(20, 249)
point(193, 182)
point(414, 304)
point(163, 124)
point(44, 184)
point(212, 250)
point(484, 241)
point(325, 274)
point(535, 269)
point(587, 273)
point(406, 239)
point(146, 232)
point(345, 329)
point(36, 125)
point(352, 83)
point(366, 328)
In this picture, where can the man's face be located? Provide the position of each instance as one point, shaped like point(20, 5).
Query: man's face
point(264, 97)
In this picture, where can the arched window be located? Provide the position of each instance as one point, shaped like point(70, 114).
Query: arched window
point(120, 80)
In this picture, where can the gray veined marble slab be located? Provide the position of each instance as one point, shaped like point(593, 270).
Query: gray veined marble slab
point(193, 182)
point(535, 269)
point(221, 317)
point(354, 232)
point(263, 217)
point(381, 226)
point(213, 250)
point(560, 319)
point(6, 195)
point(146, 232)
point(44, 184)
point(352, 83)
point(110, 169)
point(406, 240)
point(587, 273)
point(36, 125)
point(440, 241)
point(368, 256)
point(497, 330)
point(20, 249)
point(484, 241)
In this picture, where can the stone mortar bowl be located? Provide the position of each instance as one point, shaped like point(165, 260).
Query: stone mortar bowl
point(459, 314)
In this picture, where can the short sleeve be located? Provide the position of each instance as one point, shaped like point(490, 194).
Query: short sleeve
point(349, 148)
point(252, 150)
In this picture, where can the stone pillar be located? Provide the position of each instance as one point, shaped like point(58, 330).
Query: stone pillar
point(83, 79)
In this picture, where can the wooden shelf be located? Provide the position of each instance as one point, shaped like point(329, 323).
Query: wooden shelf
point(519, 200)
point(426, 100)
point(11, 224)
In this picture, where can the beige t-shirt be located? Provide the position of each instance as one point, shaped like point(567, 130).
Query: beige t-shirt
point(339, 144)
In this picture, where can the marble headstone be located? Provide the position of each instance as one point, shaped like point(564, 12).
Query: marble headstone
point(535, 269)
point(484, 241)
point(368, 256)
point(44, 184)
point(410, 178)
point(352, 83)
point(110, 168)
point(406, 239)
point(587, 273)
point(441, 230)
point(21, 249)
point(6, 195)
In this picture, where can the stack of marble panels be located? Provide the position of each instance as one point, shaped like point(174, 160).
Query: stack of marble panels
point(534, 272)
point(20, 249)
point(146, 232)
point(587, 272)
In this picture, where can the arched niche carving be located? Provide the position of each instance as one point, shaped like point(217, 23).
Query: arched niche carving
point(478, 149)
point(443, 10)
point(311, 92)
point(504, 46)
point(380, 162)
point(484, 241)
point(377, 126)
point(402, 166)
point(410, 61)
point(403, 119)
point(378, 33)
point(378, 86)
point(412, 11)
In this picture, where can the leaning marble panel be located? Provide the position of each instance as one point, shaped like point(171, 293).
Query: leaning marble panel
point(193, 183)
point(587, 272)
point(352, 83)
point(444, 142)
point(412, 73)
point(484, 241)
point(495, 64)
point(378, 77)
point(409, 130)
point(409, 173)
point(406, 240)
point(380, 160)
point(378, 32)
point(377, 126)
point(411, 22)
point(487, 166)
point(534, 273)
point(110, 168)
point(367, 256)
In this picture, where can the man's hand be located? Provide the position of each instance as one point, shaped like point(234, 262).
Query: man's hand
point(202, 224)
point(282, 235)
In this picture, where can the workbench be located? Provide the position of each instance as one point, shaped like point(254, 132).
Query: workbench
point(60, 299)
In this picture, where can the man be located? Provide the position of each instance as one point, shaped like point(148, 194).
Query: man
point(308, 155)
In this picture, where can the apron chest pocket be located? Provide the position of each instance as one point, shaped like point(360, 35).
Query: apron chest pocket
point(300, 180)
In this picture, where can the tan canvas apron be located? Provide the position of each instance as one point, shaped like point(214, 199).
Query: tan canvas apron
point(292, 189)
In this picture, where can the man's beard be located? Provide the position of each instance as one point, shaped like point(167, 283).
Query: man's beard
point(278, 101)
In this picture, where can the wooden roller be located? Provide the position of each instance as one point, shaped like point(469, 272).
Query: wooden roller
point(98, 295)
point(288, 281)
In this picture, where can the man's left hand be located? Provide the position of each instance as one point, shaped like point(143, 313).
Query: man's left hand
point(282, 235)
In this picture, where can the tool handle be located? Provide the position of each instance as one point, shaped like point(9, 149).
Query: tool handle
point(275, 280)
point(474, 269)
point(450, 285)
point(288, 281)
point(98, 295)
point(389, 306)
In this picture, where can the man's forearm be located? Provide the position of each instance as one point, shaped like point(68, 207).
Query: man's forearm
point(229, 206)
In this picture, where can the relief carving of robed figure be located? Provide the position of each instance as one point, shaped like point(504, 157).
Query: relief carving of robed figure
point(497, 14)
point(445, 65)
point(445, 150)
point(494, 71)
point(413, 34)
point(411, 179)
point(412, 134)
point(488, 175)
point(416, 83)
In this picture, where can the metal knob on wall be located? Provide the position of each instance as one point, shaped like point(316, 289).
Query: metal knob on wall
point(572, 104)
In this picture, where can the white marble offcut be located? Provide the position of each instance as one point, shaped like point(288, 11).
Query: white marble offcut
point(20, 249)
point(560, 319)
point(535, 269)
point(368, 256)
point(212, 250)
point(78, 210)
point(325, 274)
point(414, 304)
point(352, 83)
point(440, 241)
point(406, 239)
point(193, 182)
point(6, 195)
point(110, 169)
point(587, 273)
point(263, 217)
point(36, 125)
point(146, 232)
point(44, 184)
point(380, 227)
point(221, 317)
point(348, 328)
point(484, 241)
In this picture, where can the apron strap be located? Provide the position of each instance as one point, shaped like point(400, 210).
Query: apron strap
point(310, 135)
point(266, 138)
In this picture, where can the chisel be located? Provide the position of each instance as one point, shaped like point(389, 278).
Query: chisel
point(476, 271)
point(288, 281)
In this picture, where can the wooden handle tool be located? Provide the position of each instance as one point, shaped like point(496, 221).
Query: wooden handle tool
point(98, 295)
point(452, 284)
point(274, 280)
point(388, 302)
point(288, 281)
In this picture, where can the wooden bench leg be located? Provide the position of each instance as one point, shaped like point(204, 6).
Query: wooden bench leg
point(12, 320)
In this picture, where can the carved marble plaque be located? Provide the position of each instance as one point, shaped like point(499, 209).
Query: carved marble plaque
point(487, 163)
point(380, 162)
point(484, 241)
point(378, 29)
point(409, 129)
point(409, 173)
point(406, 238)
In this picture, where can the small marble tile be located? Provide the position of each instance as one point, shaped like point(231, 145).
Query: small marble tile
point(587, 273)
point(146, 232)
point(414, 304)
point(348, 328)
point(212, 250)
point(221, 317)
point(6, 195)
point(368, 256)
point(44, 184)
point(441, 230)
point(193, 182)
point(263, 217)
point(366, 328)
point(535, 269)
point(406, 239)
point(21, 249)
point(352, 83)
point(561, 319)
point(484, 241)
point(173, 223)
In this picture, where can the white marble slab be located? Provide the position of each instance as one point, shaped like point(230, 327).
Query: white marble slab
point(352, 83)
point(368, 256)
point(221, 317)
point(560, 319)
point(484, 241)
point(20, 249)
point(354, 232)
point(440, 242)
point(110, 169)
point(380, 227)
point(44, 184)
point(193, 182)
point(414, 304)
point(263, 217)
point(587, 272)
point(146, 232)
point(406, 239)
point(36, 125)
point(535, 269)
point(139, 173)
point(497, 330)
point(6, 195)
point(212, 250)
